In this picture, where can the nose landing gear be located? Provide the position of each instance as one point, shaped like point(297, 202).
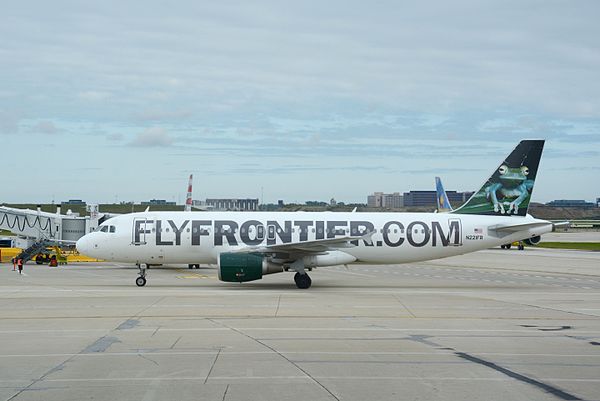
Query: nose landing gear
point(141, 280)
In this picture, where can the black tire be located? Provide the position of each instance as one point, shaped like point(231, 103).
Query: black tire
point(521, 247)
point(197, 266)
point(140, 281)
point(303, 281)
point(508, 246)
point(39, 260)
point(190, 266)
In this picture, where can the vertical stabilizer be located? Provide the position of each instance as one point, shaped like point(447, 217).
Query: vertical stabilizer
point(188, 199)
point(508, 191)
point(443, 205)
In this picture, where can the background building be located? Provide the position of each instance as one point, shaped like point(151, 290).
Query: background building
point(428, 198)
point(232, 204)
point(570, 203)
point(379, 199)
point(78, 202)
point(394, 200)
point(156, 202)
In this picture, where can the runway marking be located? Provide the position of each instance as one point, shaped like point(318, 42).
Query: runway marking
point(210, 353)
point(348, 272)
point(294, 329)
point(298, 377)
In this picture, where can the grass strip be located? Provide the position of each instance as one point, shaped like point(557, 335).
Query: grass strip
point(584, 246)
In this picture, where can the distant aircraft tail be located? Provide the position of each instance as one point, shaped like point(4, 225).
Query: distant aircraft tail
point(188, 199)
point(443, 205)
point(508, 191)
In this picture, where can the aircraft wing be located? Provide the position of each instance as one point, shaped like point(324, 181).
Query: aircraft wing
point(518, 227)
point(308, 247)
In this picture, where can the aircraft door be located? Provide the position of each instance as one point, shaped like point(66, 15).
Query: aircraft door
point(140, 230)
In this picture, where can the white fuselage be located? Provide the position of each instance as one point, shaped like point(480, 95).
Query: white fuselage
point(199, 237)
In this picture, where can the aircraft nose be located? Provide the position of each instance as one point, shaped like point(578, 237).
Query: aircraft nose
point(83, 245)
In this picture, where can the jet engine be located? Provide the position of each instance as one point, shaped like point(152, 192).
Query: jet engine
point(533, 240)
point(241, 267)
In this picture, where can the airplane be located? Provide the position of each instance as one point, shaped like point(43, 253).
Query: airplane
point(443, 206)
point(246, 246)
point(188, 199)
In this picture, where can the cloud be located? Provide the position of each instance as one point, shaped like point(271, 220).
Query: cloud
point(9, 122)
point(152, 137)
point(45, 127)
point(93, 96)
point(115, 137)
point(157, 114)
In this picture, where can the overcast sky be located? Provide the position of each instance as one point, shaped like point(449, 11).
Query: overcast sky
point(115, 100)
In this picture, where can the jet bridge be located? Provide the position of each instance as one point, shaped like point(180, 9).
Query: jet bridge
point(32, 226)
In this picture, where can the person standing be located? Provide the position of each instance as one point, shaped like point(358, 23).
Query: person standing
point(20, 264)
point(14, 262)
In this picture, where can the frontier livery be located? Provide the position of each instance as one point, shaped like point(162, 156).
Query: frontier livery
point(245, 246)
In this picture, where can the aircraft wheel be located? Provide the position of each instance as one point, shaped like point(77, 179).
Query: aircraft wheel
point(508, 246)
point(303, 281)
point(140, 281)
point(521, 247)
point(197, 266)
point(190, 266)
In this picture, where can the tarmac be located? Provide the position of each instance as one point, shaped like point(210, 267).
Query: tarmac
point(492, 325)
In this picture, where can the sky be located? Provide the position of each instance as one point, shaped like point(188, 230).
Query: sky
point(121, 101)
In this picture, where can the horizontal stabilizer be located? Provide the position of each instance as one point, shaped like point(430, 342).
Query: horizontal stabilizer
point(561, 224)
point(518, 227)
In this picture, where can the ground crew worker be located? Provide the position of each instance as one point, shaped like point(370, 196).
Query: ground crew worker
point(14, 262)
point(20, 264)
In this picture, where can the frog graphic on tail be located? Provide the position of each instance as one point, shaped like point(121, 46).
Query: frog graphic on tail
point(508, 191)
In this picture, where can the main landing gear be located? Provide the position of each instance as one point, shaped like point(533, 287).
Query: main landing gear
point(141, 280)
point(193, 266)
point(303, 281)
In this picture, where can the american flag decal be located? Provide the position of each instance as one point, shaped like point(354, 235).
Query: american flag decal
point(478, 230)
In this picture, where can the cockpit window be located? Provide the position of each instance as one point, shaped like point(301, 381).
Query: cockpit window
point(104, 229)
point(112, 229)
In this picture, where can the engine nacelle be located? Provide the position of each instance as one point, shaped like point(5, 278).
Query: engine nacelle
point(533, 240)
point(241, 267)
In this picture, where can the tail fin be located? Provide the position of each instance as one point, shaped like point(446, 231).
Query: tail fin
point(188, 199)
point(508, 191)
point(443, 205)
